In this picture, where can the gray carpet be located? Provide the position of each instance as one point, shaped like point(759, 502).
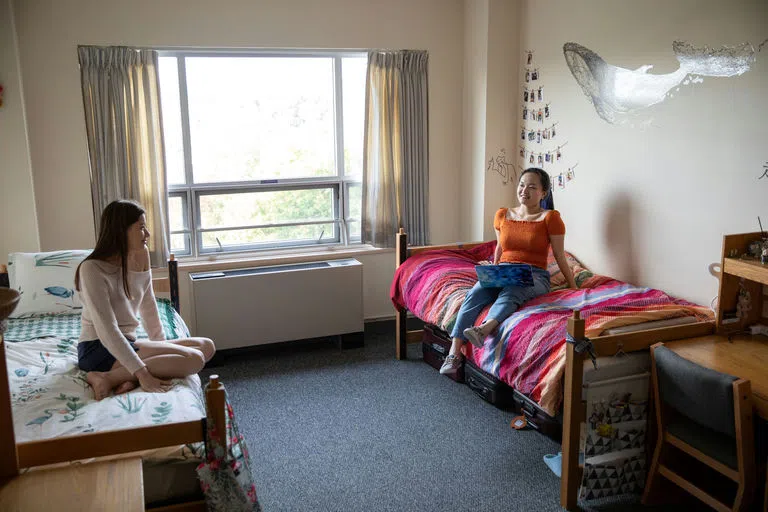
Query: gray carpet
point(357, 430)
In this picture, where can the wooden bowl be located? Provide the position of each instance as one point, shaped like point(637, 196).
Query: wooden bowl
point(9, 299)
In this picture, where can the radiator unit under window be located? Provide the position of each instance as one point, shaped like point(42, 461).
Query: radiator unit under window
point(256, 306)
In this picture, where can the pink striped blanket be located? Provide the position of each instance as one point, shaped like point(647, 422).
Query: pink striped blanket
point(527, 351)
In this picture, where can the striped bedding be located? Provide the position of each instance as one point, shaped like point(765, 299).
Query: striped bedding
point(527, 351)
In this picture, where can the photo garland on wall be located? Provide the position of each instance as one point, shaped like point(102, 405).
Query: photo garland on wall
point(540, 144)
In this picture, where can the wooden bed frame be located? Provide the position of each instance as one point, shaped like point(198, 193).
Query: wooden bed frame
point(14, 457)
point(574, 409)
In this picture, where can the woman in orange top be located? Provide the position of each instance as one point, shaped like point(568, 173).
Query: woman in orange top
point(523, 235)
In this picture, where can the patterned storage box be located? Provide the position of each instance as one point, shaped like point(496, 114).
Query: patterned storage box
point(614, 436)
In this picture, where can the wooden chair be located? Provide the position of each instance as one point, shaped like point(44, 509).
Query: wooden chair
point(707, 415)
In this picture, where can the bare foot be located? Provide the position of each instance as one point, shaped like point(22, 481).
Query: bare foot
point(99, 383)
point(125, 387)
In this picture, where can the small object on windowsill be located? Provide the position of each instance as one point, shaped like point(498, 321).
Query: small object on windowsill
point(764, 256)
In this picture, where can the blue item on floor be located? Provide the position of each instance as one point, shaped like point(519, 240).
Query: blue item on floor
point(555, 462)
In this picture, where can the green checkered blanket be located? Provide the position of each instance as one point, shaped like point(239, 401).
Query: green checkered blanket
point(67, 325)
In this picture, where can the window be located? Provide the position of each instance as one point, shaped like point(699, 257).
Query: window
point(263, 149)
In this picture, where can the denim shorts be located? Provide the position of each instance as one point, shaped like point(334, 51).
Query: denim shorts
point(93, 356)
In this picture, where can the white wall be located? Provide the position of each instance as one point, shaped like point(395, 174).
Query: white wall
point(18, 221)
point(650, 206)
point(501, 120)
point(472, 198)
point(50, 30)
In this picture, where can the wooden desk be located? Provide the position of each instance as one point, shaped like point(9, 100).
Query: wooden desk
point(98, 486)
point(745, 357)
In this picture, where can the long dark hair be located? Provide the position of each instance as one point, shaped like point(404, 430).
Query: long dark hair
point(116, 218)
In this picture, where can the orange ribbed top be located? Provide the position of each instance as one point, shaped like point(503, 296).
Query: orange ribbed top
point(525, 241)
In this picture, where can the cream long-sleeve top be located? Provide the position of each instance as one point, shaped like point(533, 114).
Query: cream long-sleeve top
point(110, 316)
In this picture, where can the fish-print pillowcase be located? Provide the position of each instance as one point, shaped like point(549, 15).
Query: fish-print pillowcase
point(46, 281)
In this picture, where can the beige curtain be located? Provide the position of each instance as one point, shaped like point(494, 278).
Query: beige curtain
point(121, 96)
point(396, 149)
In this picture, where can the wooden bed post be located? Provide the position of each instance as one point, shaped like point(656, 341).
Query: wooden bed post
point(173, 277)
point(215, 403)
point(401, 315)
point(573, 411)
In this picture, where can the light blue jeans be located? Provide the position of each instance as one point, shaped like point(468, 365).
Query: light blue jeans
point(505, 301)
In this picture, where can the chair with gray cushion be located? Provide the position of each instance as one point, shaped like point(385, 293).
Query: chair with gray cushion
point(707, 415)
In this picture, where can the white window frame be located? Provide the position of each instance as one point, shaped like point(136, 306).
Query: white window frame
point(191, 192)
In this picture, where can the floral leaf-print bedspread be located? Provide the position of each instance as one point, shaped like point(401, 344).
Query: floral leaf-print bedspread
point(51, 398)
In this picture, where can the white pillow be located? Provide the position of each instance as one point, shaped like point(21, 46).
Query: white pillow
point(46, 281)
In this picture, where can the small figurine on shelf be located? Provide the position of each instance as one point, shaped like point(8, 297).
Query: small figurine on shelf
point(764, 256)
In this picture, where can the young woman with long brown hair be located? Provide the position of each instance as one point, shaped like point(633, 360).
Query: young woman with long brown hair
point(115, 285)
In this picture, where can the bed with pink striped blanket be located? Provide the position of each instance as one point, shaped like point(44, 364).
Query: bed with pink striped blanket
point(527, 351)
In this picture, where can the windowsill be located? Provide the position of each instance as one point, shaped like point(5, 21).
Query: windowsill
point(275, 257)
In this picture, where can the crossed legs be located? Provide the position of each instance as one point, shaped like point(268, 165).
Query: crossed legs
point(164, 360)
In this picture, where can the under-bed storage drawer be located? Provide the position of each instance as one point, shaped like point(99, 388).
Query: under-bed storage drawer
point(488, 387)
point(492, 390)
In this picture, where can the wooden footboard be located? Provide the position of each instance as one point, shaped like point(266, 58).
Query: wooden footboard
point(574, 408)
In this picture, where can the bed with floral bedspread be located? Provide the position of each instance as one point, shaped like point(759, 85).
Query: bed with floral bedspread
point(51, 398)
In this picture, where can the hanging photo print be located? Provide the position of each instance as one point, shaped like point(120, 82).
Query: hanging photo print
point(549, 154)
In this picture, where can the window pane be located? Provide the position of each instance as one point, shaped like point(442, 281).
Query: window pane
point(176, 213)
point(272, 207)
point(353, 88)
point(178, 244)
point(243, 238)
point(169, 103)
point(355, 199)
point(355, 230)
point(255, 118)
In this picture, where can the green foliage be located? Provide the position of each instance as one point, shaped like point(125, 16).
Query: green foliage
point(161, 412)
point(130, 403)
point(73, 406)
